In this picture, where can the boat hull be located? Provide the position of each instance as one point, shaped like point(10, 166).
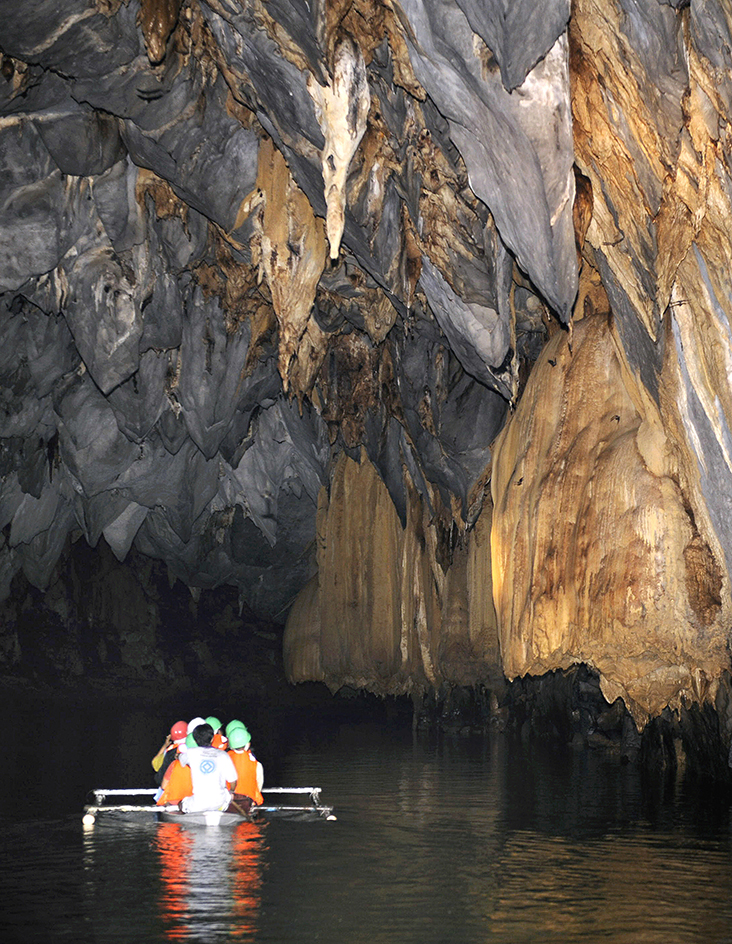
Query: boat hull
point(209, 818)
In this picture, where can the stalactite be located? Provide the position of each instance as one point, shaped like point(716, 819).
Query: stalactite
point(341, 107)
point(158, 19)
point(291, 255)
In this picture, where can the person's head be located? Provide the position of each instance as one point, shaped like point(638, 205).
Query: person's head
point(203, 734)
point(214, 722)
point(239, 738)
point(178, 731)
point(233, 724)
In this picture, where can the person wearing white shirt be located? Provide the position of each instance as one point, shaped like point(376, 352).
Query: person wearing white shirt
point(211, 770)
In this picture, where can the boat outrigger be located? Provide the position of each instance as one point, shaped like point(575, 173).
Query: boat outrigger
point(171, 814)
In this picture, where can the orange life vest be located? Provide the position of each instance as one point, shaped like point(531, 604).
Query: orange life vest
point(177, 784)
point(218, 740)
point(246, 767)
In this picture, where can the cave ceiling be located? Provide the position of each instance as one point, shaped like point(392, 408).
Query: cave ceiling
point(241, 240)
point(238, 238)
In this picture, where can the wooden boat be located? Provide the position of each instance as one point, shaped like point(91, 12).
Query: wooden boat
point(171, 814)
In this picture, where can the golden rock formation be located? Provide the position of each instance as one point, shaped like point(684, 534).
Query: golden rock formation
point(157, 21)
point(386, 612)
point(291, 254)
point(597, 553)
point(602, 547)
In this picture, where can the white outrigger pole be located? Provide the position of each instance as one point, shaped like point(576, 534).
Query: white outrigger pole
point(100, 806)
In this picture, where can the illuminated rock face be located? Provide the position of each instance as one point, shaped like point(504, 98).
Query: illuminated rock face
point(274, 276)
point(598, 556)
point(393, 609)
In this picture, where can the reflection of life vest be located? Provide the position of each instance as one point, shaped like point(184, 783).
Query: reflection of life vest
point(174, 845)
point(246, 767)
point(247, 888)
point(177, 784)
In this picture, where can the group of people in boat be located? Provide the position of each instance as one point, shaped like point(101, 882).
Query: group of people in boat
point(202, 766)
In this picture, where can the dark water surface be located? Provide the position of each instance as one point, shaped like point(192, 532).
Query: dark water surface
point(436, 840)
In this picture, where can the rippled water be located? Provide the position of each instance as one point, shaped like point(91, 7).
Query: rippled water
point(436, 840)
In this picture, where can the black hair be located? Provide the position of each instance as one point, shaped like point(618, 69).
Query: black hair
point(203, 734)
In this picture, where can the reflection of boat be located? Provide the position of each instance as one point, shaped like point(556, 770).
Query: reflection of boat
point(171, 814)
point(211, 881)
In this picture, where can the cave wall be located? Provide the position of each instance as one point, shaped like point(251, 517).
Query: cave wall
point(610, 482)
point(597, 551)
point(128, 630)
point(393, 609)
point(180, 368)
point(409, 320)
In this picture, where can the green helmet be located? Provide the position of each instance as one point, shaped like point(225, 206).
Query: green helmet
point(239, 737)
point(233, 724)
point(214, 722)
point(191, 741)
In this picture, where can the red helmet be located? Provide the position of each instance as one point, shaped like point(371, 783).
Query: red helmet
point(179, 730)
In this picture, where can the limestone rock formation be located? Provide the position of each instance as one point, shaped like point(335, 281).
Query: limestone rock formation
point(393, 609)
point(274, 275)
point(598, 556)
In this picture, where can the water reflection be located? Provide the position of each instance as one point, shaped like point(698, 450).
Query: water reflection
point(175, 844)
point(622, 888)
point(211, 881)
point(247, 881)
point(477, 841)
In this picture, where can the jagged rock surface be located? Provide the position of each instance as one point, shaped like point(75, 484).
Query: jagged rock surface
point(245, 245)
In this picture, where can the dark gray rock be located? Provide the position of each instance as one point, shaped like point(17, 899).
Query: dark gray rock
point(211, 363)
point(518, 34)
point(74, 38)
point(103, 314)
point(527, 180)
point(90, 444)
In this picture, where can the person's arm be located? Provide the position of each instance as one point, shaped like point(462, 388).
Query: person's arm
point(260, 776)
point(157, 761)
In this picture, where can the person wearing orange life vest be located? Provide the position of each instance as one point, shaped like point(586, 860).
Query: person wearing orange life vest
point(233, 724)
point(177, 786)
point(169, 750)
point(249, 769)
point(177, 783)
